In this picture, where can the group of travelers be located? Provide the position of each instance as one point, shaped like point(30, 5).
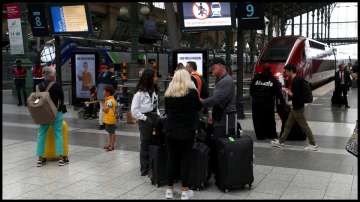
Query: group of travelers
point(185, 97)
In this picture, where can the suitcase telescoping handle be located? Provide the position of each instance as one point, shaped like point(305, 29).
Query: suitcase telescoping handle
point(227, 125)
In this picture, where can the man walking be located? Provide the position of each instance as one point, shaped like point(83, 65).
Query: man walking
point(297, 112)
point(19, 73)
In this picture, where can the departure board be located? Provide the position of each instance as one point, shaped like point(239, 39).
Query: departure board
point(70, 18)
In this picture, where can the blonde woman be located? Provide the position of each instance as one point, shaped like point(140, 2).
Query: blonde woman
point(181, 106)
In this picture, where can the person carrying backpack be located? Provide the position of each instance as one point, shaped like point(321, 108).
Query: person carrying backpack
point(301, 94)
point(57, 96)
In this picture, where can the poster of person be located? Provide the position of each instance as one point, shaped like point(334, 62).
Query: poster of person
point(85, 74)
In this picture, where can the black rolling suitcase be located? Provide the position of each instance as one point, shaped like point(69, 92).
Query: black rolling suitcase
point(158, 166)
point(234, 160)
point(199, 172)
point(336, 98)
point(296, 133)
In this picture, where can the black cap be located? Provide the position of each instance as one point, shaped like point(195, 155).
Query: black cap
point(217, 61)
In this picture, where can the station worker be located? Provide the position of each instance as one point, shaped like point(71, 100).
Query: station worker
point(19, 73)
point(37, 74)
point(264, 88)
point(145, 109)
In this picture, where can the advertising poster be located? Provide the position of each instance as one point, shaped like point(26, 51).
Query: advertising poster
point(69, 19)
point(85, 74)
point(195, 57)
point(14, 26)
point(206, 14)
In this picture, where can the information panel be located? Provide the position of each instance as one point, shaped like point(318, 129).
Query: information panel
point(70, 18)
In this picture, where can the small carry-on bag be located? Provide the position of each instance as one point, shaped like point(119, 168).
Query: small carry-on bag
point(234, 160)
point(42, 109)
point(198, 176)
point(50, 142)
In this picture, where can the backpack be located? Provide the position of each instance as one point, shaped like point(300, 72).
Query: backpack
point(42, 109)
point(307, 92)
point(201, 86)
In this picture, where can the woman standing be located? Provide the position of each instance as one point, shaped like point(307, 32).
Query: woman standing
point(145, 109)
point(181, 107)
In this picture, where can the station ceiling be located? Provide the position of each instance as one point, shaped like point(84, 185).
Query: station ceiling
point(292, 9)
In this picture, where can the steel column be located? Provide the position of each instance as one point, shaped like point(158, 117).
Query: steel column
point(317, 24)
point(312, 23)
point(300, 26)
point(292, 26)
point(307, 24)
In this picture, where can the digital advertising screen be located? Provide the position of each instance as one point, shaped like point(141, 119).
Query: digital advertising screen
point(85, 74)
point(199, 56)
point(195, 57)
point(69, 18)
point(206, 15)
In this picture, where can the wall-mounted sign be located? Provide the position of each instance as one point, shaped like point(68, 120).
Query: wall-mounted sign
point(14, 26)
point(39, 25)
point(251, 15)
point(200, 16)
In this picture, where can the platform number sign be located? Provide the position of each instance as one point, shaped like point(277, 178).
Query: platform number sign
point(251, 15)
point(39, 25)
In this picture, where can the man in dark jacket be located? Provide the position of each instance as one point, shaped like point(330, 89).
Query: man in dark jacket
point(223, 99)
point(297, 112)
point(343, 83)
point(263, 90)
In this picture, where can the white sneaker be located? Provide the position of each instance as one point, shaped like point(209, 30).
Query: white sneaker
point(169, 194)
point(186, 195)
point(276, 143)
point(312, 147)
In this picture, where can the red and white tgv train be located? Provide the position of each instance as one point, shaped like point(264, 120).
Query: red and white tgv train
point(315, 61)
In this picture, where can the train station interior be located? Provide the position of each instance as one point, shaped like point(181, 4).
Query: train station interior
point(130, 37)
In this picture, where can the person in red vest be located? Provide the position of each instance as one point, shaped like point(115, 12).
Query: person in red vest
point(19, 73)
point(37, 74)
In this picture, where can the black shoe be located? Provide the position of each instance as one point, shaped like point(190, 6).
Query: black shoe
point(347, 106)
point(19, 104)
point(144, 173)
point(41, 162)
point(102, 127)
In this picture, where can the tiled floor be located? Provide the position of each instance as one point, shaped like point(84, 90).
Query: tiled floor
point(289, 173)
point(115, 175)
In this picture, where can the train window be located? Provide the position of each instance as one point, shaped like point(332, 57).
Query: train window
point(316, 45)
point(278, 50)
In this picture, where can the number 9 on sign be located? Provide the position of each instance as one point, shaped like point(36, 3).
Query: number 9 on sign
point(249, 10)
